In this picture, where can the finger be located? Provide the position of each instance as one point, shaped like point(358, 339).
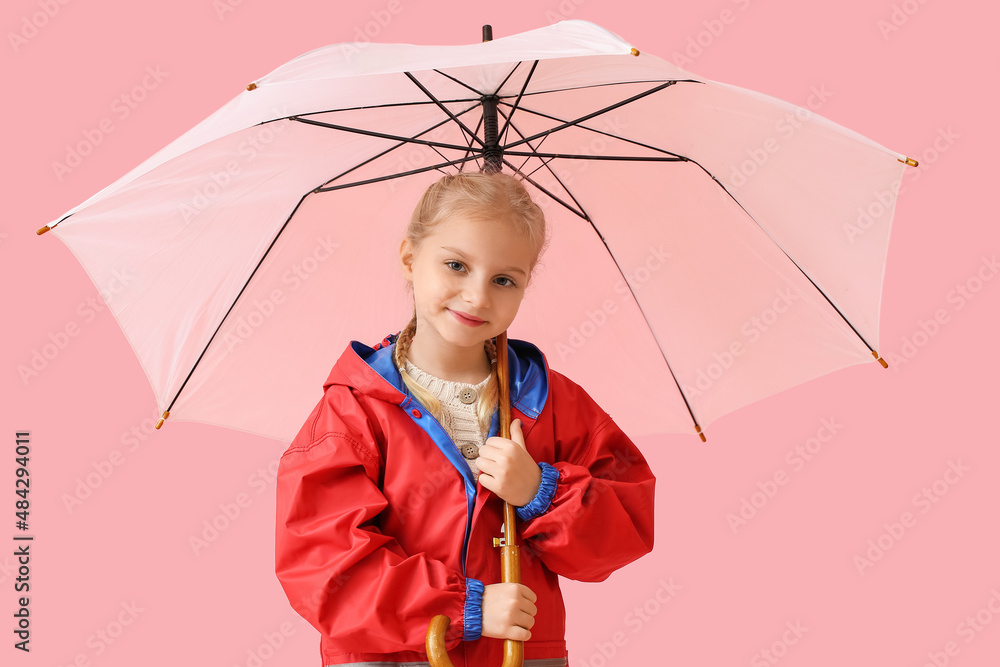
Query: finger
point(527, 593)
point(487, 481)
point(494, 447)
point(487, 467)
point(516, 434)
point(487, 453)
point(525, 621)
point(492, 484)
point(501, 452)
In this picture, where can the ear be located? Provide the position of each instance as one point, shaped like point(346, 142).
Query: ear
point(406, 259)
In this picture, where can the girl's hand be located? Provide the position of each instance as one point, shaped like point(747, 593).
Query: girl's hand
point(508, 611)
point(507, 468)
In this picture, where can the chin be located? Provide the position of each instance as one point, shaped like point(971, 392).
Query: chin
point(469, 341)
point(473, 337)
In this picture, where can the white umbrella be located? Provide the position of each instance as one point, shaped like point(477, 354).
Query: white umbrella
point(710, 246)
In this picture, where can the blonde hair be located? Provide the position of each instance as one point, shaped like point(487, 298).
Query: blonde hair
point(498, 197)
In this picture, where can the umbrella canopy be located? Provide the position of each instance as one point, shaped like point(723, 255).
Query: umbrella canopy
point(709, 245)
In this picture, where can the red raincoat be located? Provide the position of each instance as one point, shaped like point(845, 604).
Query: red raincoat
point(381, 526)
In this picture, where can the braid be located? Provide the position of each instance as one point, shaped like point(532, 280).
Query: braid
point(491, 349)
point(488, 399)
point(428, 399)
point(403, 342)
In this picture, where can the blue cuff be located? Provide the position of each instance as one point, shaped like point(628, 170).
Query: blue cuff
point(473, 610)
point(546, 491)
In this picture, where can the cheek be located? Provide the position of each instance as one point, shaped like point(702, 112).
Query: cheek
point(447, 281)
point(434, 286)
point(512, 300)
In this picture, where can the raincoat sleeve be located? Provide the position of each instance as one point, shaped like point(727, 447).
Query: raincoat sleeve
point(593, 512)
point(339, 571)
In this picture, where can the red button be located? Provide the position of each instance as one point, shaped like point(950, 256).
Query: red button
point(415, 413)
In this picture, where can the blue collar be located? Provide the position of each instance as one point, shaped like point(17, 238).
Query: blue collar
point(529, 386)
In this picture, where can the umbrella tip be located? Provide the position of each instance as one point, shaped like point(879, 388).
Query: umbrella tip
point(42, 230)
point(487, 33)
point(910, 162)
point(700, 434)
point(635, 51)
point(880, 359)
point(166, 413)
point(251, 86)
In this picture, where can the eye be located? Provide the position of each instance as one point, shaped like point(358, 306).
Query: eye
point(504, 281)
point(455, 265)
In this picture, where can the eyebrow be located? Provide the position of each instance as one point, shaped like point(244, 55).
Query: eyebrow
point(509, 269)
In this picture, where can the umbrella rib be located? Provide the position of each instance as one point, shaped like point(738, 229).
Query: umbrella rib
point(607, 134)
point(269, 247)
point(434, 148)
point(380, 135)
point(565, 124)
point(659, 346)
point(392, 148)
point(510, 74)
point(459, 82)
point(794, 263)
point(443, 107)
point(517, 102)
point(552, 196)
point(621, 158)
point(526, 160)
point(606, 109)
point(637, 304)
point(236, 300)
point(543, 165)
point(514, 127)
point(401, 174)
point(604, 241)
point(469, 150)
point(535, 148)
point(443, 157)
point(391, 105)
point(608, 84)
point(582, 213)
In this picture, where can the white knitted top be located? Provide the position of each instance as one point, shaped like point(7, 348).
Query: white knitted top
point(459, 419)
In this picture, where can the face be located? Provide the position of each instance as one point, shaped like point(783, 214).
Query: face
point(468, 278)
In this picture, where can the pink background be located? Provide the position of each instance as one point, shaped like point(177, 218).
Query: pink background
point(925, 88)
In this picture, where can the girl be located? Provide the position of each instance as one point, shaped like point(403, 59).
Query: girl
point(391, 495)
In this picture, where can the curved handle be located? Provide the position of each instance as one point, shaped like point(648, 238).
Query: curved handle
point(513, 651)
point(437, 654)
point(510, 557)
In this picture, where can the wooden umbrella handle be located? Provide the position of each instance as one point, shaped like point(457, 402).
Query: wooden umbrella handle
point(437, 654)
point(510, 564)
point(510, 557)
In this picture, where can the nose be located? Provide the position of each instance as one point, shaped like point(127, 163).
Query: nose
point(477, 293)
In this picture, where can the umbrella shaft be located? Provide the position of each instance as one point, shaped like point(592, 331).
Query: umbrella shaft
point(492, 154)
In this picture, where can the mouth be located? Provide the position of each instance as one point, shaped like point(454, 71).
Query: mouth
point(466, 319)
